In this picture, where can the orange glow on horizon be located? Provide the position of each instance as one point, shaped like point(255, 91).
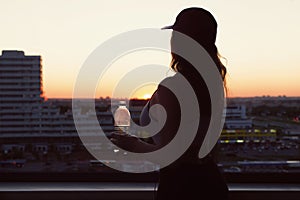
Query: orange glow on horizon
point(238, 85)
point(146, 94)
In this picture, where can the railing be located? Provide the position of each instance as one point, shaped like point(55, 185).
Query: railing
point(133, 191)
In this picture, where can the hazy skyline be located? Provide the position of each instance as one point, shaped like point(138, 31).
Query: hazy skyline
point(259, 39)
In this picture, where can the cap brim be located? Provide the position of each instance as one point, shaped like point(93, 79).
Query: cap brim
point(167, 27)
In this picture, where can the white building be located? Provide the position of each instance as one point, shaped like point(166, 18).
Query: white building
point(236, 118)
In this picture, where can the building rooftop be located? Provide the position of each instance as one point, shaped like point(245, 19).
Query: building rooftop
point(12, 53)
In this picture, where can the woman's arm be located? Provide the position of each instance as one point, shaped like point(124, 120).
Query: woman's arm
point(132, 143)
point(164, 97)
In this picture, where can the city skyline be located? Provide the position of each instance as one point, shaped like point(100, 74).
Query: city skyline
point(258, 39)
point(35, 131)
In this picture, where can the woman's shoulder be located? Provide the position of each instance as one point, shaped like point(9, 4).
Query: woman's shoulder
point(168, 80)
point(163, 89)
point(167, 90)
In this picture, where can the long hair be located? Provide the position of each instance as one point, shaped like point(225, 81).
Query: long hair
point(179, 64)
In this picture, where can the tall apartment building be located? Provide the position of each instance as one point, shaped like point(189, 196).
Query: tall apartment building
point(20, 94)
point(26, 119)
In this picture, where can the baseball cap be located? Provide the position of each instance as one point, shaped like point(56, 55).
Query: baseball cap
point(197, 23)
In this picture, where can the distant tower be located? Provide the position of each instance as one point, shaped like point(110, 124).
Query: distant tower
point(20, 94)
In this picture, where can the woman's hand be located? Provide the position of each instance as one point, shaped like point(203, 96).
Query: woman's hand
point(124, 141)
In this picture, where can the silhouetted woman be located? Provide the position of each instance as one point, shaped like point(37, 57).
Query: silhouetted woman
point(188, 177)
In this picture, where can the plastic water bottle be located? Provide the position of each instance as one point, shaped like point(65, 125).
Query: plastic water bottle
point(122, 118)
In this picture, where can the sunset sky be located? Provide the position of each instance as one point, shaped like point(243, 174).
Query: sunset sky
point(259, 39)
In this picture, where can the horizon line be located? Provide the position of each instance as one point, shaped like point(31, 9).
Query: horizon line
point(135, 98)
